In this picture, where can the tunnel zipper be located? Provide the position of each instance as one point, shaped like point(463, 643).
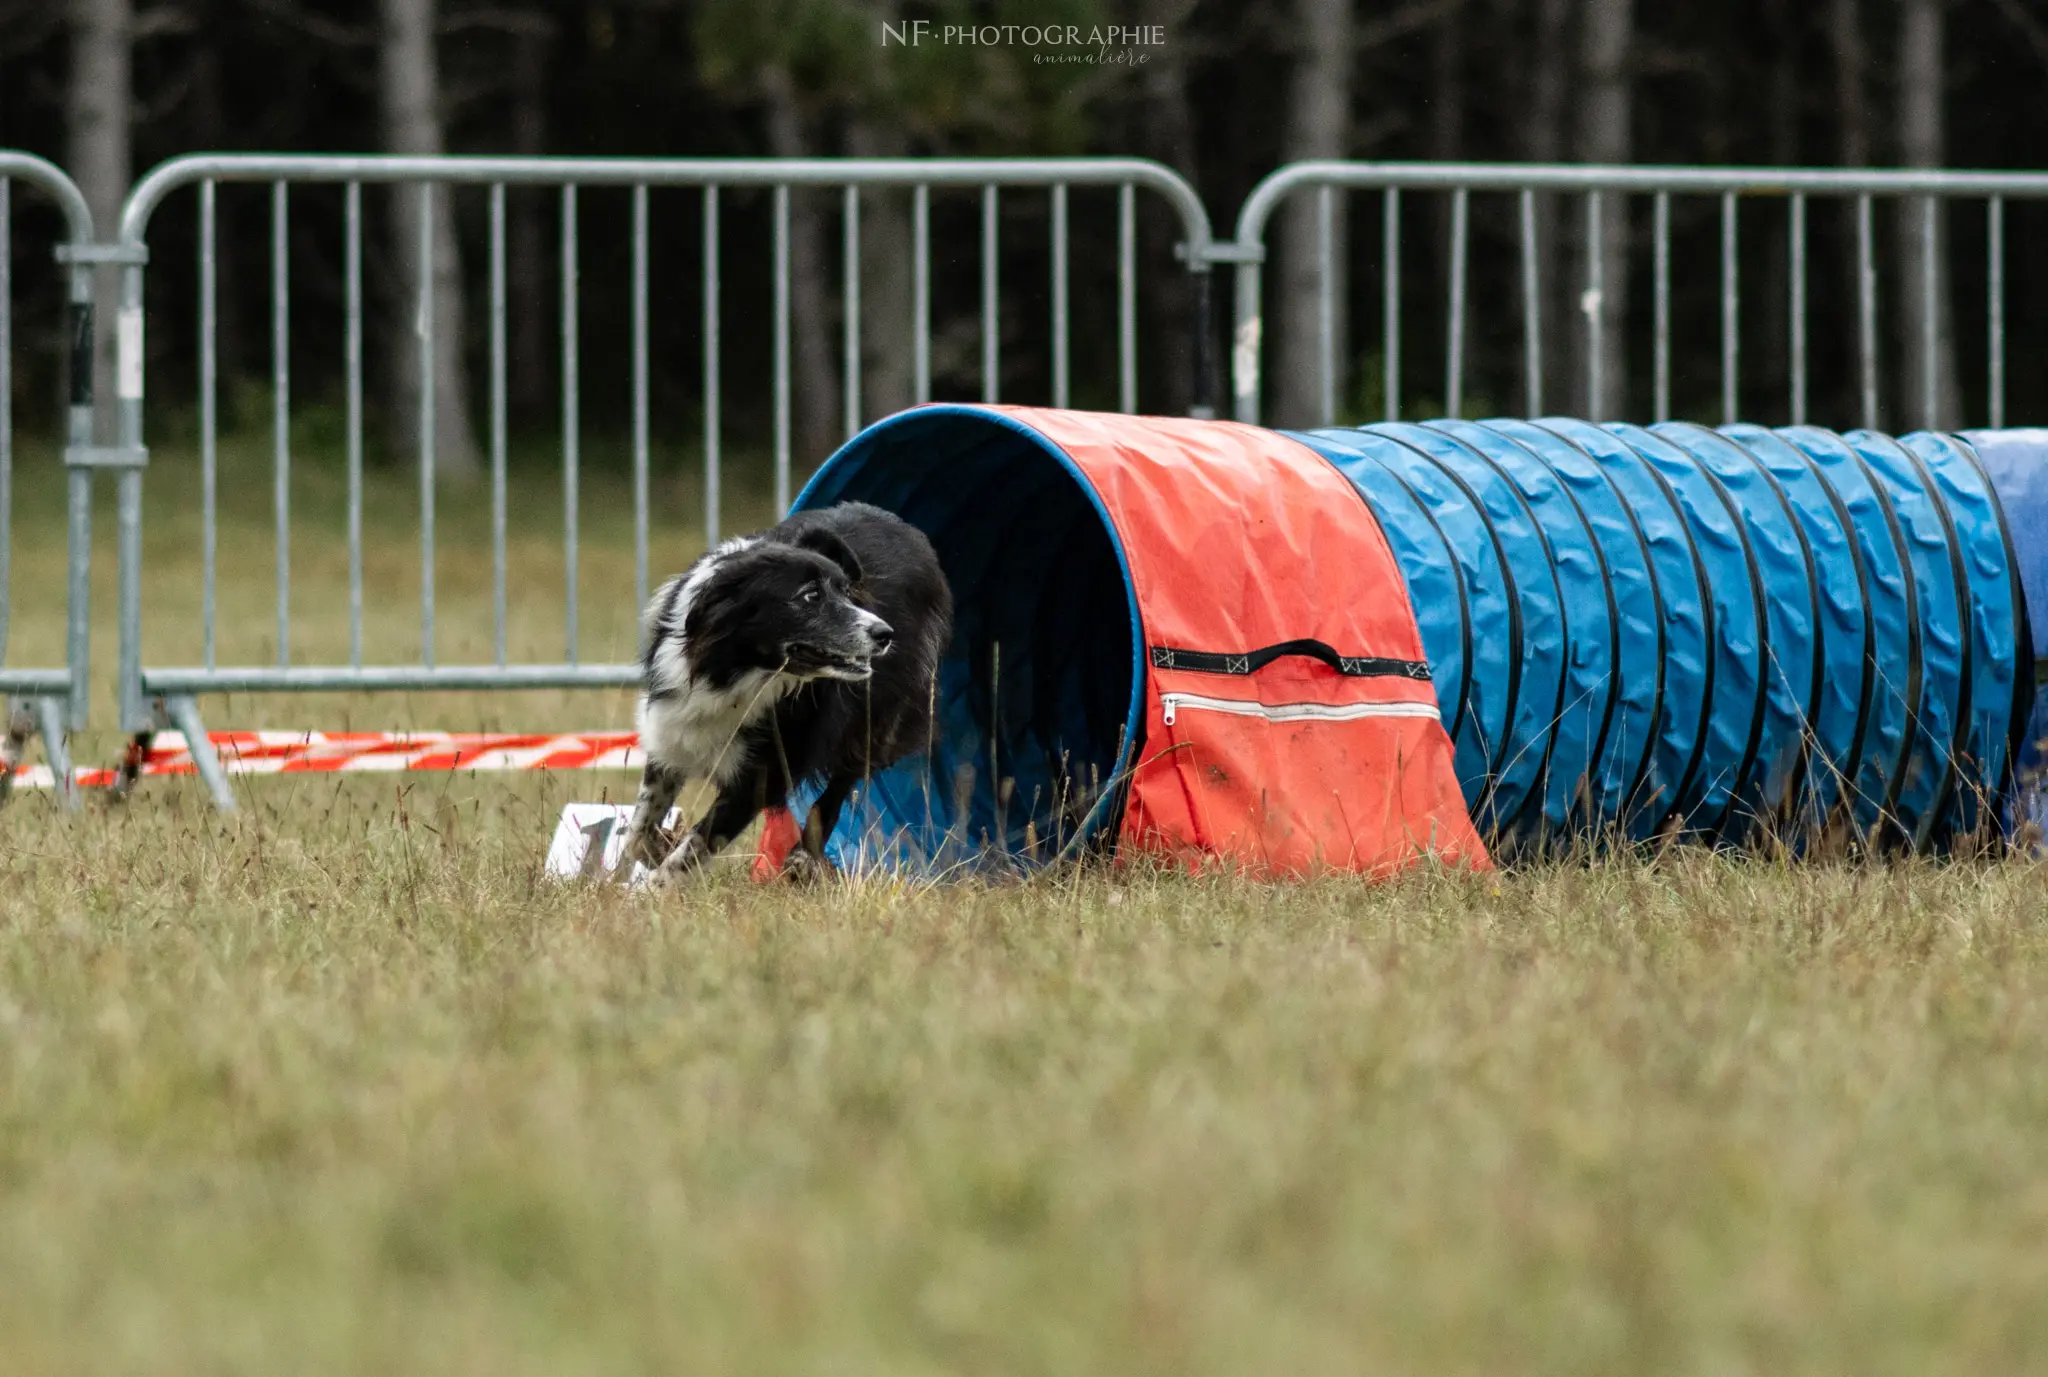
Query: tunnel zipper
point(1292, 712)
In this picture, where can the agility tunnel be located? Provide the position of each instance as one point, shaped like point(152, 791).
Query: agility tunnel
point(1361, 649)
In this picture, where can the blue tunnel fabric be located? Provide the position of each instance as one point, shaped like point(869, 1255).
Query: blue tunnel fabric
point(1538, 634)
point(1685, 661)
point(1786, 613)
point(2015, 466)
point(1715, 633)
point(1986, 569)
point(1923, 781)
point(1620, 749)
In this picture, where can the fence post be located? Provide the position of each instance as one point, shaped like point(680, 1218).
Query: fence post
point(1203, 405)
point(53, 702)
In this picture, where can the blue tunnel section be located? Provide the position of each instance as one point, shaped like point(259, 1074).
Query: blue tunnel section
point(1038, 700)
point(2017, 464)
point(1722, 634)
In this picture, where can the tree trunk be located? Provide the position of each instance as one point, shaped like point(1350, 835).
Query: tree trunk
point(1781, 18)
point(210, 130)
point(526, 274)
point(814, 400)
point(97, 109)
point(1852, 106)
point(1318, 126)
point(1549, 82)
point(1931, 397)
point(1446, 141)
point(1852, 131)
point(409, 94)
point(1604, 137)
point(1165, 313)
point(887, 367)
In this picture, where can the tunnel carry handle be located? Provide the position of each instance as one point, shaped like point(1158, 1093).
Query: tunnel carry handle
point(1251, 661)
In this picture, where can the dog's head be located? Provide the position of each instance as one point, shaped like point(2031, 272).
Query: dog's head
point(787, 606)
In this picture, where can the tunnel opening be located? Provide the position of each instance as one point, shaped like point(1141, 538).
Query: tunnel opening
point(1037, 704)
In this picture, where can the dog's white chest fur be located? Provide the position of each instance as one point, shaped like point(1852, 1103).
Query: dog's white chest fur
point(696, 730)
point(689, 727)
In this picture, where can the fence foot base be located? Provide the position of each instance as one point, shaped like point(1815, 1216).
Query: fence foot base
point(20, 726)
point(57, 751)
point(184, 715)
point(44, 717)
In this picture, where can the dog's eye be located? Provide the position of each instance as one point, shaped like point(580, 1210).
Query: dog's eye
point(810, 594)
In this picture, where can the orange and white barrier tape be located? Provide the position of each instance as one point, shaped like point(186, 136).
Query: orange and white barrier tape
point(288, 753)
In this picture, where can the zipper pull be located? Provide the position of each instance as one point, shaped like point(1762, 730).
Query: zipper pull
point(1166, 701)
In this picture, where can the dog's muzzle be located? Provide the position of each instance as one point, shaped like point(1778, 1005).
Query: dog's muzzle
point(879, 633)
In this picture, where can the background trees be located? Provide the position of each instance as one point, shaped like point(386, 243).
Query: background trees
point(109, 87)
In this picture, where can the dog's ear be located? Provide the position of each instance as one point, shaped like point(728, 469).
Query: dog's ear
point(818, 540)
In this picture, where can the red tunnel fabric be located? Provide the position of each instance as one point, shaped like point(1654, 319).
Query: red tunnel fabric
point(1239, 539)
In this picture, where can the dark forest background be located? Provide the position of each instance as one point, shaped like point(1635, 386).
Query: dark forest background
point(108, 88)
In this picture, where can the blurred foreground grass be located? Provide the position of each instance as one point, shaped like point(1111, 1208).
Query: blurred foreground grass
point(344, 1085)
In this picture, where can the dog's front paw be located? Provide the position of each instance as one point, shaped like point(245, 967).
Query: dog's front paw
point(805, 867)
point(648, 846)
point(686, 856)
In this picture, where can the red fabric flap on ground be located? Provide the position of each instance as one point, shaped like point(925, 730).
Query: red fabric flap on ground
point(1323, 753)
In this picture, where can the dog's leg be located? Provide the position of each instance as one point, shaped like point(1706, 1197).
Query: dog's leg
point(807, 861)
point(738, 804)
point(647, 840)
point(20, 723)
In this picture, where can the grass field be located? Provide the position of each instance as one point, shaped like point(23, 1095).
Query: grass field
point(342, 1084)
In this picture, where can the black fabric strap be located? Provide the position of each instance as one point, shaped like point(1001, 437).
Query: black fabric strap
point(1251, 661)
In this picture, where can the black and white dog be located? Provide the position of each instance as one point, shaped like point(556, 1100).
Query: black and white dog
point(807, 652)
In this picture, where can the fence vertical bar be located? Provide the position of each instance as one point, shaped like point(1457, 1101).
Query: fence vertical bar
point(1532, 309)
point(640, 395)
point(991, 358)
point(1796, 252)
point(6, 409)
point(921, 292)
point(714, 457)
point(1454, 362)
point(1930, 322)
point(280, 411)
point(352, 346)
point(1866, 311)
point(1731, 334)
point(850, 243)
point(209, 422)
point(1595, 309)
point(1326, 305)
point(780, 208)
point(572, 453)
point(1244, 340)
point(1127, 298)
point(1059, 294)
point(424, 329)
point(128, 372)
point(1390, 292)
point(1994, 286)
point(1660, 304)
point(498, 561)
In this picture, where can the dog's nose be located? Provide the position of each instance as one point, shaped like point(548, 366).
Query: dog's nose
point(881, 634)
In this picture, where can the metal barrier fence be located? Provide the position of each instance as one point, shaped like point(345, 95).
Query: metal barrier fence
point(49, 701)
point(151, 695)
point(1527, 183)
